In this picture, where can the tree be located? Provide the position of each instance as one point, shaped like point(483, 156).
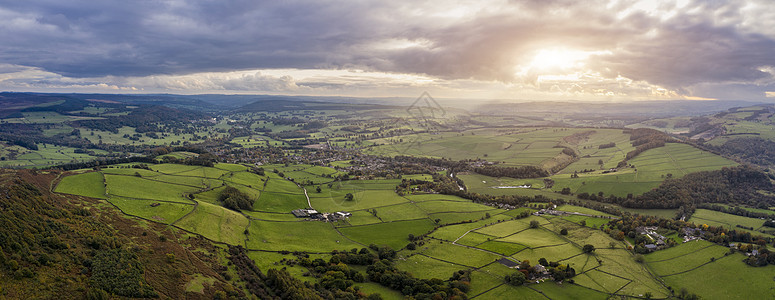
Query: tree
point(349, 197)
point(564, 231)
point(534, 224)
point(639, 258)
point(542, 261)
point(411, 246)
point(516, 278)
point(588, 248)
point(318, 189)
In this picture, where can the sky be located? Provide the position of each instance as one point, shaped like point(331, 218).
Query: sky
point(606, 50)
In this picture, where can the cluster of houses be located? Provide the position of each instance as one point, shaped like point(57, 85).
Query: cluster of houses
point(316, 215)
point(540, 271)
point(691, 234)
point(650, 232)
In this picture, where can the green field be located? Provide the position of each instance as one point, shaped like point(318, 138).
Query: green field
point(688, 266)
point(715, 218)
point(651, 168)
point(393, 234)
point(86, 184)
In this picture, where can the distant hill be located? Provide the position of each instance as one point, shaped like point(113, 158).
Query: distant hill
point(278, 105)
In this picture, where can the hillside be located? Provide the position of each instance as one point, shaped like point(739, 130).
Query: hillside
point(59, 246)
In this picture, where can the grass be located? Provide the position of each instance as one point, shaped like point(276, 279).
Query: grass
point(86, 184)
point(280, 202)
point(568, 291)
point(720, 280)
point(136, 187)
point(451, 206)
point(216, 223)
point(501, 247)
point(506, 291)
point(687, 262)
point(310, 236)
point(452, 232)
point(393, 234)
point(652, 167)
point(407, 211)
point(375, 288)
point(197, 283)
point(473, 239)
point(457, 254)
point(551, 253)
point(425, 267)
point(715, 218)
point(363, 199)
point(449, 218)
point(163, 212)
point(510, 227)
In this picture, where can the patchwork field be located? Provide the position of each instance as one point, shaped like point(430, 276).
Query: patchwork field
point(651, 168)
point(689, 266)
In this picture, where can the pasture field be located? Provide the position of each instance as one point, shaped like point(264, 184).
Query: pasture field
point(473, 239)
point(504, 248)
point(454, 217)
point(216, 223)
point(688, 261)
point(393, 234)
point(771, 210)
point(510, 227)
point(727, 272)
point(87, 184)
point(363, 199)
point(436, 206)
point(422, 266)
point(163, 212)
point(715, 218)
point(280, 202)
point(505, 291)
point(312, 236)
point(406, 211)
point(453, 232)
point(457, 254)
point(140, 188)
point(514, 147)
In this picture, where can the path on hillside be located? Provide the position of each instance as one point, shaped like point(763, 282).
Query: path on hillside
point(305, 195)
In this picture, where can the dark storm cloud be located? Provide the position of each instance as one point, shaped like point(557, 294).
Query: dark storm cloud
point(702, 42)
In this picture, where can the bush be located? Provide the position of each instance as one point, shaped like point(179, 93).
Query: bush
point(534, 224)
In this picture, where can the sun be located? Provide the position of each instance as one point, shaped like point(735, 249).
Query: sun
point(558, 59)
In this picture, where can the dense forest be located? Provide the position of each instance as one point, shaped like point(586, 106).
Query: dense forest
point(736, 185)
point(753, 150)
